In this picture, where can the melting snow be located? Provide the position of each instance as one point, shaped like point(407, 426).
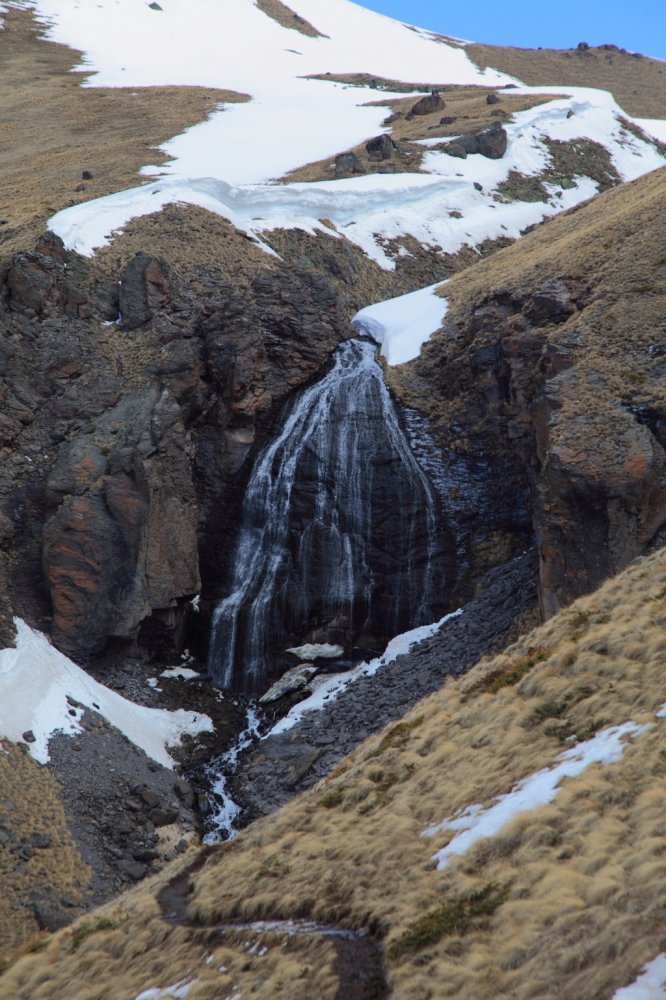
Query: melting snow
point(35, 682)
point(403, 324)
point(650, 985)
point(178, 991)
point(332, 685)
point(223, 164)
point(476, 823)
point(182, 673)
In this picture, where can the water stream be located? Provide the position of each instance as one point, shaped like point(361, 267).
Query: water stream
point(339, 528)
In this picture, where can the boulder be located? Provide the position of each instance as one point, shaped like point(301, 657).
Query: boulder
point(492, 142)
point(382, 147)
point(428, 105)
point(348, 163)
point(317, 651)
point(293, 680)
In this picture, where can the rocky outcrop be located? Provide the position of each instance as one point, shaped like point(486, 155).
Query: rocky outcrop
point(122, 540)
point(144, 290)
point(124, 454)
point(490, 142)
point(561, 452)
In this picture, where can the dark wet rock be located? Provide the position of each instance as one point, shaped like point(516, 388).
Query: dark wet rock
point(184, 791)
point(283, 765)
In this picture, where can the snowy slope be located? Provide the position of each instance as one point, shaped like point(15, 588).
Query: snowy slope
point(36, 681)
point(223, 164)
point(231, 44)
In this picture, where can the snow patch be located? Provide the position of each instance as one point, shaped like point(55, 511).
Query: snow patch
point(476, 823)
point(179, 991)
point(403, 324)
point(650, 985)
point(182, 673)
point(36, 681)
point(653, 126)
point(328, 688)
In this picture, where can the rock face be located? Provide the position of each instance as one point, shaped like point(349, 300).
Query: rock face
point(590, 478)
point(122, 540)
point(124, 448)
point(144, 290)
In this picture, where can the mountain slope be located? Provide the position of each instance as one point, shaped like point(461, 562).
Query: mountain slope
point(564, 899)
point(138, 380)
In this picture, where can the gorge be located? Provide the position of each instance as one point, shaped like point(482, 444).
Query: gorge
point(316, 337)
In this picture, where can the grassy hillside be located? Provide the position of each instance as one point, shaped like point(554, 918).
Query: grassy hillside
point(566, 901)
point(53, 130)
point(637, 82)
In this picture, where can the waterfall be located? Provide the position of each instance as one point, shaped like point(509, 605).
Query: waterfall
point(339, 528)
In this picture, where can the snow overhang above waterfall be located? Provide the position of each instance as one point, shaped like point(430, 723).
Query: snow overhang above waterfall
point(403, 324)
point(43, 692)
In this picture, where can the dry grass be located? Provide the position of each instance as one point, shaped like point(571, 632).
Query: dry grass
point(52, 130)
point(30, 804)
point(567, 902)
point(466, 104)
point(288, 18)
point(638, 84)
point(613, 246)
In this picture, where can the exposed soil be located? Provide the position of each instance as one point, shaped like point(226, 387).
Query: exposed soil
point(288, 18)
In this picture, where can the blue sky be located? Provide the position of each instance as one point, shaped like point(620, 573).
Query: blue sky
point(637, 25)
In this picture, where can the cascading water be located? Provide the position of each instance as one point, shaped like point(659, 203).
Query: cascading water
point(339, 527)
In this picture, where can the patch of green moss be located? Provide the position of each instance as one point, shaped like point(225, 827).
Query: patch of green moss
point(512, 672)
point(519, 187)
point(455, 917)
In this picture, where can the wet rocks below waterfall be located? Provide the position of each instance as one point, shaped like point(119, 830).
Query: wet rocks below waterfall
point(282, 765)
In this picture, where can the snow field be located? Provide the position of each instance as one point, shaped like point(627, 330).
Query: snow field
point(36, 681)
